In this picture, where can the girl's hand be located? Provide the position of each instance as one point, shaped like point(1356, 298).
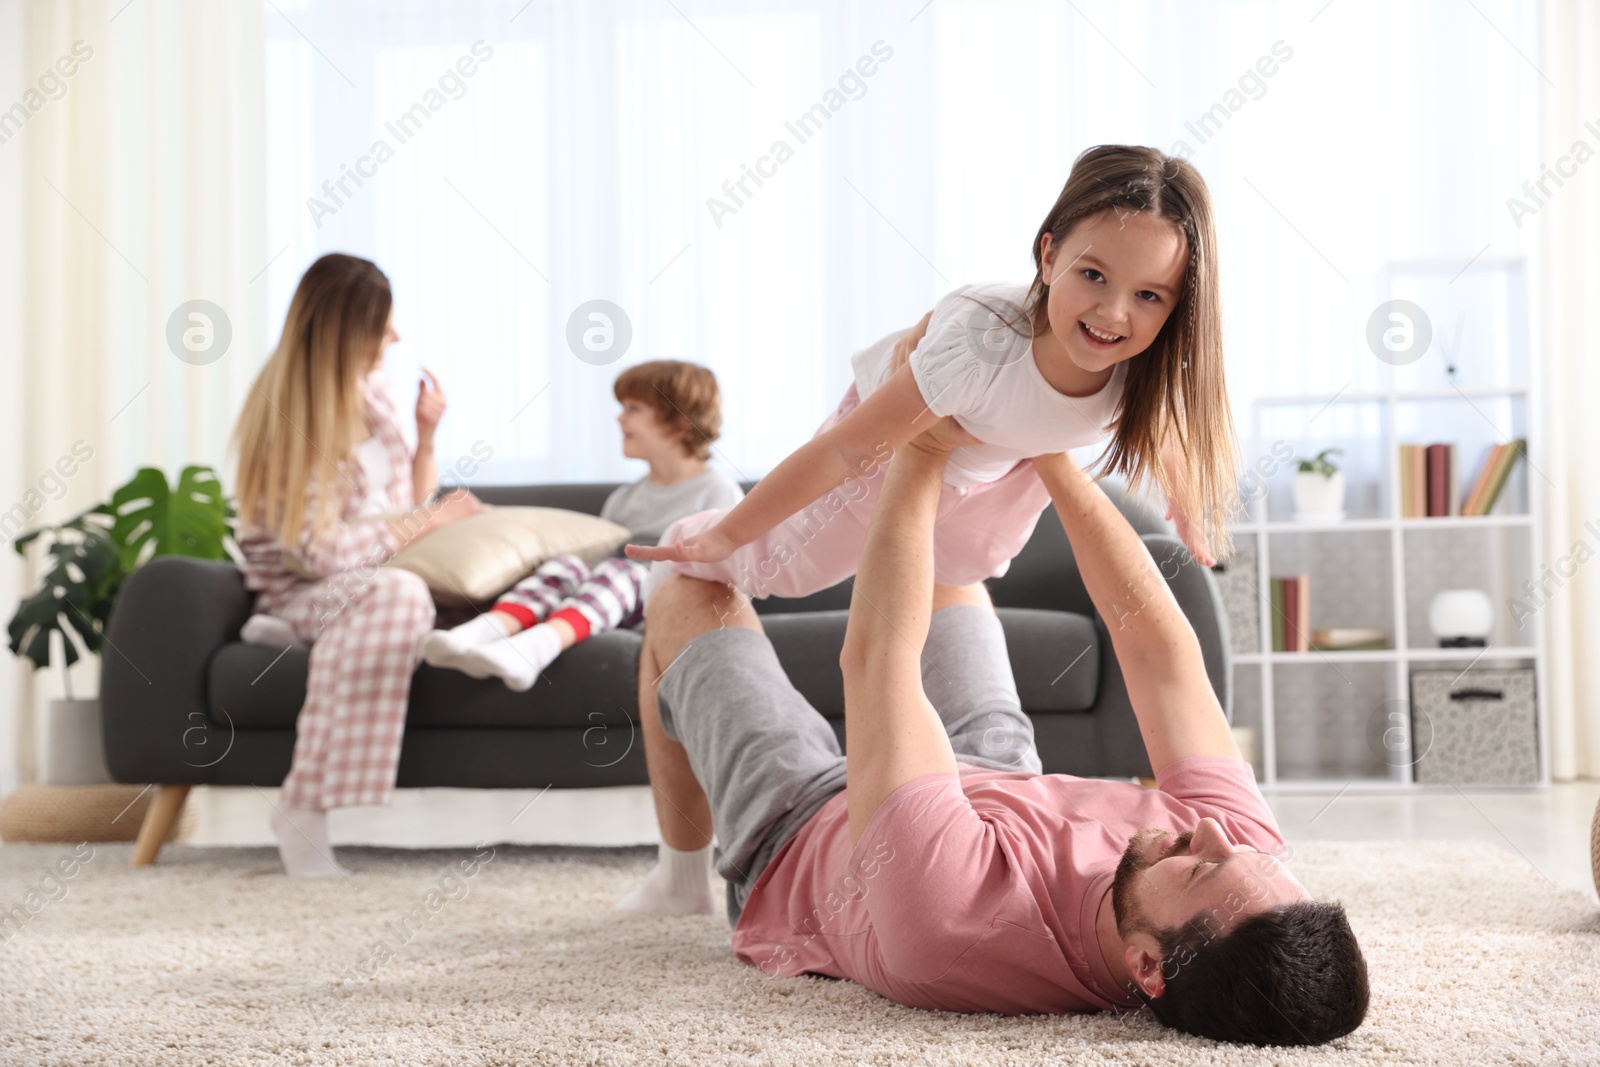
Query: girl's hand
point(1193, 535)
point(908, 343)
point(430, 406)
point(711, 546)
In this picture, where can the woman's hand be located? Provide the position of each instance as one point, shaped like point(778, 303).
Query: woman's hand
point(908, 343)
point(454, 506)
point(710, 546)
point(422, 520)
point(430, 407)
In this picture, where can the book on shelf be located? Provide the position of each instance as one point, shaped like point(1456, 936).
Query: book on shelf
point(1430, 476)
point(1441, 460)
point(1413, 481)
point(1276, 609)
point(1491, 481)
point(1427, 480)
point(1349, 639)
point(1291, 614)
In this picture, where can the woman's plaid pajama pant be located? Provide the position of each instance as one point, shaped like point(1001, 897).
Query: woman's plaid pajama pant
point(606, 594)
point(365, 630)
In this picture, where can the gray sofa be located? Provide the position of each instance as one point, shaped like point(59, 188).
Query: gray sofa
point(185, 703)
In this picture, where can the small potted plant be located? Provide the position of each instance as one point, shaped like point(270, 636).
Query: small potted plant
point(1319, 488)
point(89, 557)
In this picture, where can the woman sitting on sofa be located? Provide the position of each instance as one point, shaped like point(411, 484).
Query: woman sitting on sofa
point(327, 491)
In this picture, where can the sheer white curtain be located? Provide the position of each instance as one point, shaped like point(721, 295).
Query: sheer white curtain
point(577, 162)
point(137, 143)
point(1571, 270)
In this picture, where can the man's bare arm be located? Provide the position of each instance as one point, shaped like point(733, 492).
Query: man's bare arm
point(1159, 653)
point(892, 734)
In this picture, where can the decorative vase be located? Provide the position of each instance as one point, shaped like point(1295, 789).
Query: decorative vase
point(1461, 618)
point(1318, 497)
point(74, 753)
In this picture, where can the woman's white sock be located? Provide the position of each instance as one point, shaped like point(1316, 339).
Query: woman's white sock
point(303, 842)
point(444, 648)
point(679, 884)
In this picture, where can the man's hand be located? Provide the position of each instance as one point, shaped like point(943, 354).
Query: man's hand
point(710, 546)
point(908, 343)
point(945, 435)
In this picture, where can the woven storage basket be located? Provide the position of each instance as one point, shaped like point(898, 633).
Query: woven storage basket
point(1594, 848)
point(82, 813)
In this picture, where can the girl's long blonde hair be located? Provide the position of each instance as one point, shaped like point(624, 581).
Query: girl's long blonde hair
point(1175, 391)
point(304, 411)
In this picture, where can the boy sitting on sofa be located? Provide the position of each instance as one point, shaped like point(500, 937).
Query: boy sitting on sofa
point(671, 412)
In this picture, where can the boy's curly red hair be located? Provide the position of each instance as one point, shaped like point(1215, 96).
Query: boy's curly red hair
point(683, 395)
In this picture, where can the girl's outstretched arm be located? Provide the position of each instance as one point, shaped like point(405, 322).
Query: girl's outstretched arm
point(858, 444)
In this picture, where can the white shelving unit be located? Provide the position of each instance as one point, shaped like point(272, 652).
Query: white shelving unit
point(1375, 569)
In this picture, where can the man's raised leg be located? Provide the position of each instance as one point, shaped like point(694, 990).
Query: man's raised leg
point(966, 676)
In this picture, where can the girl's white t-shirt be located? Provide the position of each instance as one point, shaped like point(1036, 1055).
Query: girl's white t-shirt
point(972, 365)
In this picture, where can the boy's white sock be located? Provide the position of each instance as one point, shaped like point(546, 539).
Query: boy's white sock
point(303, 842)
point(679, 884)
point(444, 648)
point(515, 660)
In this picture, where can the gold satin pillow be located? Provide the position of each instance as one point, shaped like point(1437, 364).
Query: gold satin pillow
point(478, 558)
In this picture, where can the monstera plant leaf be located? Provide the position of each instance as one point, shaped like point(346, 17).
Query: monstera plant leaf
point(153, 520)
point(75, 594)
point(90, 555)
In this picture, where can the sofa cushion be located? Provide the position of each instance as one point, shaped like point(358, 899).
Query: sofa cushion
point(594, 683)
point(1054, 655)
point(480, 557)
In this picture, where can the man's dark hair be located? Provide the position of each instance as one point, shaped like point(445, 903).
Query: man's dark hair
point(1292, 975)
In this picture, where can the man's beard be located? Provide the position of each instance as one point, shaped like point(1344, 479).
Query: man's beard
point(1136, 858)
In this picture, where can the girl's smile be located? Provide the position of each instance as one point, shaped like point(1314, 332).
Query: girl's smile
point(1114, 280)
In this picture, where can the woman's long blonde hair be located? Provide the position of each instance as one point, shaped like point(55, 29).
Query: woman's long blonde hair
point(304, 411)
point(1175, 390)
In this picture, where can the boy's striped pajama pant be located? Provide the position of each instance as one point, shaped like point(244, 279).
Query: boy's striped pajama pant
point(606, 594)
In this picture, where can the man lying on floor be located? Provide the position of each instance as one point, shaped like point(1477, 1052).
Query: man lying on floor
point(951, 874)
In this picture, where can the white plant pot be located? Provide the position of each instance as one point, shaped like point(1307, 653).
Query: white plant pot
point(1318, 498)
point(74, 753)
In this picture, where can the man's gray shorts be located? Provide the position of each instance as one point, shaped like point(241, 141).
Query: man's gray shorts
point(768, 760)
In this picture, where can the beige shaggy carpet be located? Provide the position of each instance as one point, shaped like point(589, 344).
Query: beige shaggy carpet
point(213, 957)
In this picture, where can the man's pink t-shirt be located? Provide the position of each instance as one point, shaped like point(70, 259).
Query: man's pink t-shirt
point(979, 892)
